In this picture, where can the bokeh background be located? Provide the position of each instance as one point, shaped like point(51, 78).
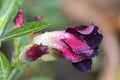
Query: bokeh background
point(67, 13)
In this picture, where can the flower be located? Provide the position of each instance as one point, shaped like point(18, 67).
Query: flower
point(78, 44)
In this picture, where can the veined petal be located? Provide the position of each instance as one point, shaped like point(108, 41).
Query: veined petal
point(77, 44)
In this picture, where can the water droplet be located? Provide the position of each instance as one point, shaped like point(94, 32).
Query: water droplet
point(55, 44)
point(49, 43)
point(58, 35)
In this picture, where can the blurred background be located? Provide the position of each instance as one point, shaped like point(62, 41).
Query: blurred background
point(67, 13)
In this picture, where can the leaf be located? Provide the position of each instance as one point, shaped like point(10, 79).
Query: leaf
point(4, 67)
point(2, 21)
point(16, 73)
point(25, 29)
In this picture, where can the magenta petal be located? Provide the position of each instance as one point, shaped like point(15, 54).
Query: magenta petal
point(84, 66)
point(85, 30)
point(77, 44)
point(19, 19)
point(70, 55)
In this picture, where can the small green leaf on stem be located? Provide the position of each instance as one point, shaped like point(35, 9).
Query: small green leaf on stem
point(2, 21)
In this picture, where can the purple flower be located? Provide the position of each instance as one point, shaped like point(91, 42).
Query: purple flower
point(78, 44)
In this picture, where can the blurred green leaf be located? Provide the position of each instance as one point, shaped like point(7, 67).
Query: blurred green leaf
point(23, 41)
point(2, 21)
point(16, 73)
point(0, 3)
point(4, 67)
point(25, 29)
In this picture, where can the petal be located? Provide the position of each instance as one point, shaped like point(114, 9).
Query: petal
point(70, 55)
point(84, 66)
point(34, 52)
point(85, 30)
point(19, 19)
point(94, 39)
point(77, 44)
point(95, 53)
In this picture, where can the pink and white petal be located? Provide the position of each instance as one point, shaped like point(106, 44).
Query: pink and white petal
point(77, 44)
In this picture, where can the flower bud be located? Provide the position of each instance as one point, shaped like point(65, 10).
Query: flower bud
point(19, 19)
point(34, 52)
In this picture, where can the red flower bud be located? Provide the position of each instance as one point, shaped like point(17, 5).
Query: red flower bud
point(34, 52)
point(38, 18)
point(19, 19)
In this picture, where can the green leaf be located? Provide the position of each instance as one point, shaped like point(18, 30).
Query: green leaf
point(16, 73)
point(24, 30)
point(2, 21)
point(4, 67)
